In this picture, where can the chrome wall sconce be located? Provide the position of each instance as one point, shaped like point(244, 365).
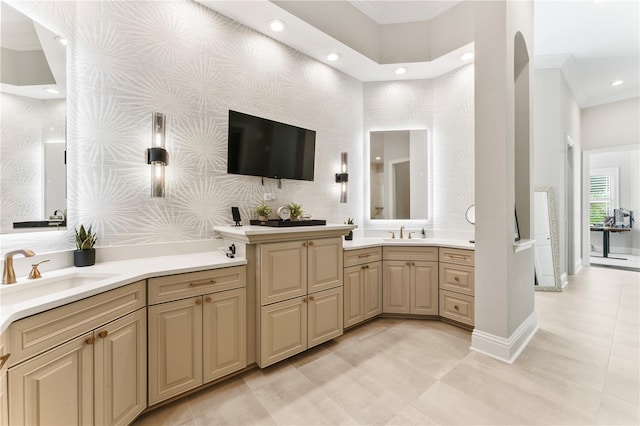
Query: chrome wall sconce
point(343, 177)
point(157, 155)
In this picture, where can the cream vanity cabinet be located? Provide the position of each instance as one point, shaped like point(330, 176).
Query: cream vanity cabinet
point(5, 354)
point(362, 285)
point(300, 293)
point(410, 280)
point(81, 363)
point(197, 329)
point(457, 285)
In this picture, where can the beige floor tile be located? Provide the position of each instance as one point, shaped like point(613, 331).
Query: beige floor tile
point(411, 416)
point(546, 362)
point(216, 395)
point(259, 377)
point(241, 409)
point(520, 402)
point(446, 405)
point(294, 399)
point(616, 412)
point(624, 387)
point(175, 413)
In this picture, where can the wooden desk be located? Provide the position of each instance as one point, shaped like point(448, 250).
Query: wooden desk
point(605, 238)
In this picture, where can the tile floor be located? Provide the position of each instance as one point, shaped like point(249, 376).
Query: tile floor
point(581, 368)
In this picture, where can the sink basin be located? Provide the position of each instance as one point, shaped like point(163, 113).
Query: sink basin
point(30, 289)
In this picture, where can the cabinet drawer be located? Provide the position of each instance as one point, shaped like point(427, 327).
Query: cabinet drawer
point(360, 256)
point(457, 278)
point(182, 286)
point(458, 307)
point(41, 332)
point(410, 253)
point(457, 256)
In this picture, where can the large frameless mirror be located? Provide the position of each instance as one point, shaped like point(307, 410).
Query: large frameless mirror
point(33, 107)
point(399, 177)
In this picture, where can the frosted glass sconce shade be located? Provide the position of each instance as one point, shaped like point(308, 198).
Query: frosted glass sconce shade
point(343, 177)
point(157, 155)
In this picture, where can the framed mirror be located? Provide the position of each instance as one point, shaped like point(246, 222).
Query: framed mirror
point(547, 254)
point(399, 175)
point(33, 103)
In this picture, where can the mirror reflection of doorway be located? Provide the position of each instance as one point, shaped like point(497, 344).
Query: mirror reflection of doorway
point(402, 187)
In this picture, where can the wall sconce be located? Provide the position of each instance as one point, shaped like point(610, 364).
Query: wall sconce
point(342, 178)
point(157, 155)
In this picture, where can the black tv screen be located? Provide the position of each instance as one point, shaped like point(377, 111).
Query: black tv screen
point(261, 147)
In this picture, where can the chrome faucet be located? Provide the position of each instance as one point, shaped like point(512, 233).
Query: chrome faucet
point(401, 232)
point(8, 274)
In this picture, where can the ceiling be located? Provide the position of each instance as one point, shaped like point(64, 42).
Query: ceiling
point(593, 42)
point(20, 34)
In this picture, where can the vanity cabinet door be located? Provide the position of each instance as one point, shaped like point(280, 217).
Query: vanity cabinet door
point(4, 364)
point(397, 287)
point(4, 398)
point(120, 364)
point(325, 320)
point(224, 338)
point(283, 330)
point(372, 289)
point(175, 348)
point(54, 388)
point(354, 300)
point(283, 271)
point(424, 283)
point(325, 262)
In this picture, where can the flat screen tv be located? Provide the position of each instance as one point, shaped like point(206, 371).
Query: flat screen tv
point(261, 147)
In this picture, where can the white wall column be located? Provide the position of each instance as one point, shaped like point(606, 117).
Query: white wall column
point(505, 318)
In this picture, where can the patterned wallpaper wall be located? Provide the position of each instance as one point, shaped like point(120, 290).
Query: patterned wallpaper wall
point(128, 59)
point(27, 124)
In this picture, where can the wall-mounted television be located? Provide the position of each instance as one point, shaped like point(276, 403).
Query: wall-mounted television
point(261, 147)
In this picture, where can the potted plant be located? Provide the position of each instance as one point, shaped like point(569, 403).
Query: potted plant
point(263, 211)
point(349, 236)
point(85, 254)
point(295, 210)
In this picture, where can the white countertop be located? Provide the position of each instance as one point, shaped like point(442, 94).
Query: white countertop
point(364, 242)
point(116, 273)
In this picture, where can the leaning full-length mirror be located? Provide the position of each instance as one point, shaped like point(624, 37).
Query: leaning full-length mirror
point(547, 257)
point(399, 174)
point(33, 107)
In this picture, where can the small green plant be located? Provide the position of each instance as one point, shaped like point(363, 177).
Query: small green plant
point(85, 239)
point(349, 221)
point(295, 209)
point(263, 210)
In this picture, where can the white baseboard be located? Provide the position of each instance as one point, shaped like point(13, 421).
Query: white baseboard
point(578, 266)
point(506, 350)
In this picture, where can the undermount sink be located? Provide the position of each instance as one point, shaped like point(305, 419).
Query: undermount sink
point(404, 240)
point(30, 289)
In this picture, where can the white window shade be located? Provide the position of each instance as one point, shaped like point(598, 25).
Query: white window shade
point(603, 194)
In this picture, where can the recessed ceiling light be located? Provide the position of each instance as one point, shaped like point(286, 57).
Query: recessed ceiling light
point(276, 25)
point(617, 82)
point(401, 70)
point(51, 90)
point(467, 56)
point(63, 41)
point(378, 158)
point(333, 56)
